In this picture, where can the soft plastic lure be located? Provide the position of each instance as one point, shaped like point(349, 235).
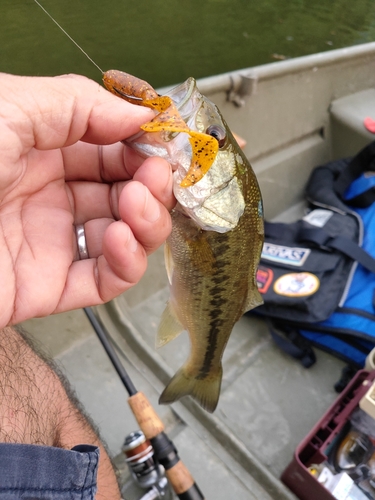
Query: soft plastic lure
point(168, 119)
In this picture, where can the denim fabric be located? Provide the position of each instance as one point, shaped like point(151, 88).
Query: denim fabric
point(29, 472)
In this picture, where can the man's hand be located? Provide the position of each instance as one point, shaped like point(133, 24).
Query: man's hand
point(61, 165)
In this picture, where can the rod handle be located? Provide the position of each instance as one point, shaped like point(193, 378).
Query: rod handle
point(153, 428)
point(183, 483)
point(148, 420)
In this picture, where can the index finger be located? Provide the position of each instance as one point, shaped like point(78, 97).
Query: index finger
point(50, 113)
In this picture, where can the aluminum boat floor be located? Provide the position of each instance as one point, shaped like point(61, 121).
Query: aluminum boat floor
point(268, 401)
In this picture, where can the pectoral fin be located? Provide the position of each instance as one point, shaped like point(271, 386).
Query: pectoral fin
point(169, 327)
point(169, 264)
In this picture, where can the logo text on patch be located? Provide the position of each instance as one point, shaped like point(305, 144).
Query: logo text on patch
point(293, 256)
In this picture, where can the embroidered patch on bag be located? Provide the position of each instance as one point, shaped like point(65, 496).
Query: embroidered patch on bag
point(296, 284)
point(293, 256)
point(264, 278)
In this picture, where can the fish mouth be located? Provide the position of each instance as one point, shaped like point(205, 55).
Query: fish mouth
point(187, 99)
point(194, 150)
point(183, 97)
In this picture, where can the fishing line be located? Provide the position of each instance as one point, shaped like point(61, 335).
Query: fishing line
point(70, 38)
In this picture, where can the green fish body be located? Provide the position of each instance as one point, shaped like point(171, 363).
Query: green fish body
point(213, 251)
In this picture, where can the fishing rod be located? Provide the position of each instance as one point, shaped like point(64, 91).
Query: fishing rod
point(149, 422)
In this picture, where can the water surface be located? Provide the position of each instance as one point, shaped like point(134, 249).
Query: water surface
point(166, 41)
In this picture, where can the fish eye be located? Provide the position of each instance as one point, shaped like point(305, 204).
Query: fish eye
point(219, 134)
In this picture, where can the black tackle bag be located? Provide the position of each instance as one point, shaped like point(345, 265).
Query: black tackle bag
point(317, 275)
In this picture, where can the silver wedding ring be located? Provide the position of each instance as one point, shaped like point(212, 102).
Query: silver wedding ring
point(81, 242)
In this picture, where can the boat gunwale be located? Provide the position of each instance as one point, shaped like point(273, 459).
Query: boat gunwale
point(228, 81)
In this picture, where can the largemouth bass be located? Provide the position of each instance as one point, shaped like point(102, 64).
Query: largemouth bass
point(214, 249)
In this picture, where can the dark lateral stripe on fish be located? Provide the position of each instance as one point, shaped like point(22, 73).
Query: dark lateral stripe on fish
point(217, 301)
point(210, 352)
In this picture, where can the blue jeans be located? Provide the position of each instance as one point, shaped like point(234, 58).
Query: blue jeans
point(30, 472)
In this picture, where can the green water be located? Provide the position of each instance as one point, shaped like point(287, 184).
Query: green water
point(166, 41)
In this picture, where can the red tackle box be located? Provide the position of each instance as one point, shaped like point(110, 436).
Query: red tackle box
point(312, 449)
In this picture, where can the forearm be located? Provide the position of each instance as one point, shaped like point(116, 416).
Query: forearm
point(35, 408)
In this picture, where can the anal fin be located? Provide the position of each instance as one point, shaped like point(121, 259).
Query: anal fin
point(169, 327)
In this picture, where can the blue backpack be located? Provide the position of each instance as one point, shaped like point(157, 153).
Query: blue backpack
point(317, 275)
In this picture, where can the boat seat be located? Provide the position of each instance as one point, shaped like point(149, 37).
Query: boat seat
point(349, 134)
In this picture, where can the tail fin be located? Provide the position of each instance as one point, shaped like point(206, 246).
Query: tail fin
point(205, 391)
